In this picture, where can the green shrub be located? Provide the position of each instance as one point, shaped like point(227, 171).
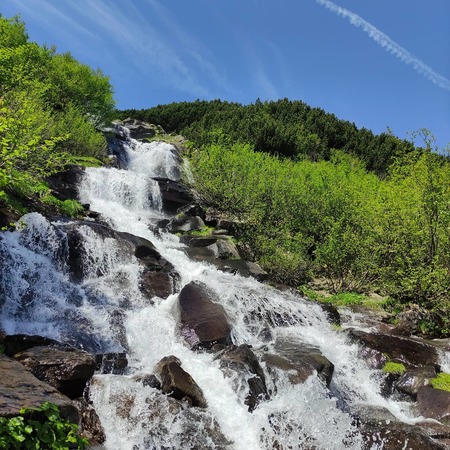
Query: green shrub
point(39, 428)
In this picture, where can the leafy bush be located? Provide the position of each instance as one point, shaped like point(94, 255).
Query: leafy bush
point(39, 428)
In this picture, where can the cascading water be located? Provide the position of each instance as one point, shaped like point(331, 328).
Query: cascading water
point(135, 416)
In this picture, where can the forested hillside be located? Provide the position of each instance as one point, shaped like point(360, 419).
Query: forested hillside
point(50, 106)
point(285, 128)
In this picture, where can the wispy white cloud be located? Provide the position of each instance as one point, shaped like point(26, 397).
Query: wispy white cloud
point(388, 44)
point(53, 17)
point(268, 89)
point(144, 47)
point(190, 47)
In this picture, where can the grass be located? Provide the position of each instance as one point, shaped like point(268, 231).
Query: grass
point(394, 368)
point(442, 382)
point(205, 231)
point(85, 161)
point(342, 298)
point(70, 208)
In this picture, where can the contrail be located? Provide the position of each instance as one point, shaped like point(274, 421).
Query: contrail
point(388, 44)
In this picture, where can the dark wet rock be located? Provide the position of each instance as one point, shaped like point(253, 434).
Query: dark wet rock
point(243, 362)
point(299, 361)
point(157, 283)
point(194, 428)
point(408, 351)
point(218, 219)
point(158, 277)
point(174, 194)
point(225, 249)
point(184, 223)
point(434, 403)
point(114, 363)
point(15, 343)
point(197, 241)
point(412, 380)
point(203, 321)
point(331, 312)
point(177, 383)
point(200, 253)
point(117, 326)
point(64, 185)
point(89, 425)
point(66, 369)
point(19, 388)
point(379, 429)
point(215, 247)
point(148, 380)
point(438, 431)
point(192, 210)
point(142, 130)
point(241, 267)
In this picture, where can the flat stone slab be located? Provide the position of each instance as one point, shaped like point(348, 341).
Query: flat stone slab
point(19, 389)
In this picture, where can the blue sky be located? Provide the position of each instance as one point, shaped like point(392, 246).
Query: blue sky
point(376, 63)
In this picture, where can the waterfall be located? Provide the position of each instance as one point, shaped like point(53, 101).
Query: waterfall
point(41, 297)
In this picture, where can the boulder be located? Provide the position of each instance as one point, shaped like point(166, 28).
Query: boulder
point(331, 312)
point(241, 267)
point(177, 383)
point(184, 223)
point(174, 194)
point(148, 380)
point(241, 361)
point(141, 130)
point(203, 322)
point(66, 369)
point(15, 343)
point(192, 210)
point(89, 425)
point(114, 363)
point(413, 379)
point(379, 429)
point(225, 249)
point(19, 388)
point(158, 276)
point(299, 361)
point(434, 403)
point(197, 241)
point(157, 283)
point(64, 185)
point(408, 351)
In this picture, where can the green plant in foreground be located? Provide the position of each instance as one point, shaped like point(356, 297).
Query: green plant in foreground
point(394, 368)
point(442, 381)
point(40, 428)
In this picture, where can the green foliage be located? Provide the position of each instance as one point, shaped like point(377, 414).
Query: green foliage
point(70, 208)
point(442, 381)
point(39, 428)
point(334, 219)
point(82, 139)
point(50, 105)
point(394, 368)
